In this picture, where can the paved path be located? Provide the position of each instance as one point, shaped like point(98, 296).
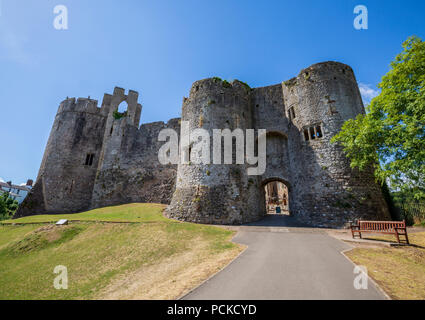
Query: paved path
point(286, 263)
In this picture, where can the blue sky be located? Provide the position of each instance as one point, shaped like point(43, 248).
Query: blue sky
point(160, 47)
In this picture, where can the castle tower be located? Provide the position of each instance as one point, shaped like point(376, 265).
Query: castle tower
point(70, 160)
point(118, 130)
point(326, 191)
point(216, 193)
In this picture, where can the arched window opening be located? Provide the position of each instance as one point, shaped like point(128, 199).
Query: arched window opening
point(123, 106)
point(121, 111)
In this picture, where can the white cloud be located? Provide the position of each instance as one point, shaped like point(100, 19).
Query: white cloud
point(1, 180)
point(367, 92)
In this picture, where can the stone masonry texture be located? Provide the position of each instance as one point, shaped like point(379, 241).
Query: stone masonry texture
point(124, 168)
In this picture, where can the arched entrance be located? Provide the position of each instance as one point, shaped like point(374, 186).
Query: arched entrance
point(274, 185)
point(276, 196)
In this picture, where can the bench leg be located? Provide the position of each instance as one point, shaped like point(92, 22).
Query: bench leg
point(405, 235)
point(397, 235)
point(353, 233)
point(406, 238)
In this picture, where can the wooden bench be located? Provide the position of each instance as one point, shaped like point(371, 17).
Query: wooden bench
point(398, 228)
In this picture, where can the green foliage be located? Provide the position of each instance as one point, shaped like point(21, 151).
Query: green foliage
point(413, 212)
point(391, 136)
point(8, 206)
point(389, 199)
point(118, 115)
point(36, 241)
point(227, 84)
point(3, 211)
point(290, 83)
point(246, 85)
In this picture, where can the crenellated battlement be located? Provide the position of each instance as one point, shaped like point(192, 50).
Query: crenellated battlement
point(79, 105)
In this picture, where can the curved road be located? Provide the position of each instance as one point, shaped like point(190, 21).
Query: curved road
point(284, 262)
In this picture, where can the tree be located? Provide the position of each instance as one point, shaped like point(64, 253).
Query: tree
point(3, 210)
point(391, 135)
point(8, 206)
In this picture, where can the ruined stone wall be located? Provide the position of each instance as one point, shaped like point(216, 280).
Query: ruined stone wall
point(130, 170)
point(125, 164)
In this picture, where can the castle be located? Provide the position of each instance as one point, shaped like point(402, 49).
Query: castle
point(95, 158)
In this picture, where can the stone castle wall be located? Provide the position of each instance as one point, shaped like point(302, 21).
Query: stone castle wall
point(214, 193)
point(323, 189)
point(130, 171)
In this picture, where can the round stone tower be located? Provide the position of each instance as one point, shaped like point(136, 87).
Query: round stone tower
point(326, 190)
point(216, 193)
point(69, 164)
point(72, 154)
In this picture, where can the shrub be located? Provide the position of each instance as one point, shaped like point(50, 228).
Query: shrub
point(227, 84)
point(118, 115)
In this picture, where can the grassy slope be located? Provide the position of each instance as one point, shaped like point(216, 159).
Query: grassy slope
point(400, 271)
point(135, 212)
point(159, 260)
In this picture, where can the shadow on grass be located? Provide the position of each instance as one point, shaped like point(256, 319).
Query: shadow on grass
point(394, 242)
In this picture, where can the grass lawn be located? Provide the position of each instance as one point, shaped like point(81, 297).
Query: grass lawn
point(135, 212)
point(155, 259)
point(400, 271)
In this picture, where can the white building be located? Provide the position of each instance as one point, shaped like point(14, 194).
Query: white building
point(16, 192)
